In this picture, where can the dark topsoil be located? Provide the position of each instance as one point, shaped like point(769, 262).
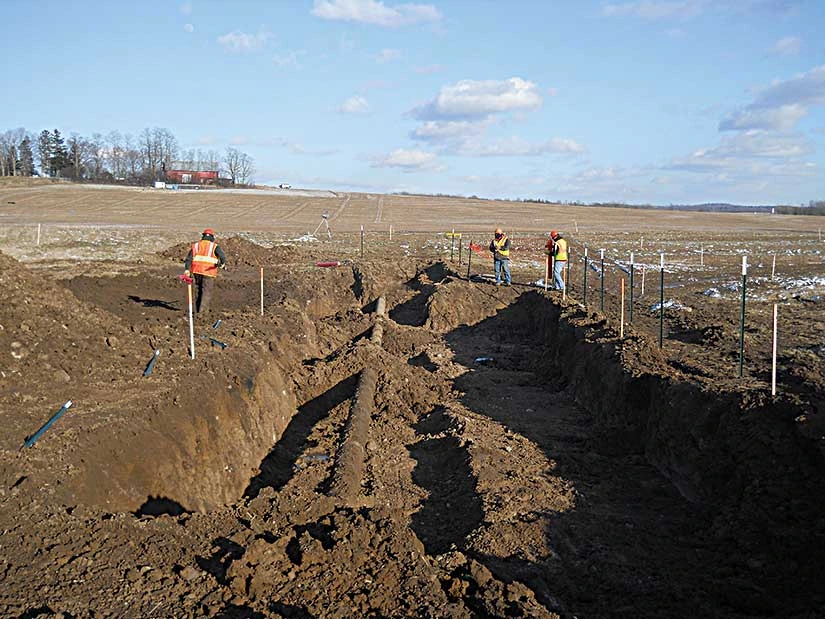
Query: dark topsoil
point(521, 459)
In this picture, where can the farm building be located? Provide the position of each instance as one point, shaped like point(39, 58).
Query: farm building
point(193, 172)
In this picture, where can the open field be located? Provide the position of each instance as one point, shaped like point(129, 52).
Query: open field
point(469, 451)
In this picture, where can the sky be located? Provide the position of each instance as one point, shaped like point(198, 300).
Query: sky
point(634, 101)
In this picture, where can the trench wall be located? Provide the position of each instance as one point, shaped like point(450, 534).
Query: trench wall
point(198, 448)
point(737, 453)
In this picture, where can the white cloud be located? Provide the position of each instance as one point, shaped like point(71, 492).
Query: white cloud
point(237, 41)
point(782, 104)
point(189, 28)
point(376, 13)
point(655, 9)
point(456, 120)
point(764, 144)
point(780, 118)
point(750, 156)
point(787, 46)
point(468, 98)
point(388, 55)
point(409, 159)
point(806, 89)
point(515, 147)
point(354, 105)
point(449, 130)
point(186, 8)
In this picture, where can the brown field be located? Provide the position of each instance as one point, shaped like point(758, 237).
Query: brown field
point(476, 451)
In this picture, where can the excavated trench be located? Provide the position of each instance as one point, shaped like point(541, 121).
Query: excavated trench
point(641, 463)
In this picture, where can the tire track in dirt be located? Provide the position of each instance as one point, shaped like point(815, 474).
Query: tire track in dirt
point(291, 213)
point(340, 209)
point(377, 219)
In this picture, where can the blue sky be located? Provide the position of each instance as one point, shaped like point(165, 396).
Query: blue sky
point(642, 101)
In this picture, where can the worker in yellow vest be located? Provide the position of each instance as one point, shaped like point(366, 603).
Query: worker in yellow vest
point(500, 248)
point(559, 259)
point(203, 261)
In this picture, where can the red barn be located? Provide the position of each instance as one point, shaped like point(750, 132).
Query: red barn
point(192, 172)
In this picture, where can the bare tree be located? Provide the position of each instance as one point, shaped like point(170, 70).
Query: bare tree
point(97, 156)
point(232, 161)
point(247, 169)
point(80, 156)
point(9, 144)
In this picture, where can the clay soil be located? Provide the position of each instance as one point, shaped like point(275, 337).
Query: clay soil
point(392, 437)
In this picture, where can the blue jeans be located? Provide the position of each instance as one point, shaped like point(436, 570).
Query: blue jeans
point(558, 268)
point(505, 266)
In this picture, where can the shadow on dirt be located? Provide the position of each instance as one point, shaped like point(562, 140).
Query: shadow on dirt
point(453, 508)
point(224, 552)
point(631, 537)
point(413, 313)
point(158, 506)
point(277, 468)
point(154, 303)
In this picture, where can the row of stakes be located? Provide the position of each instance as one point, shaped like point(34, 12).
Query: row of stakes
point(548, 269)
point(453, 235)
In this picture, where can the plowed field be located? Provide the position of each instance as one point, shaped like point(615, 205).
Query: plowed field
point(395, 436)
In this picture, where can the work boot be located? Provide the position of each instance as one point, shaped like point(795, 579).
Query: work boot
point(507, 284)
point(498, 283)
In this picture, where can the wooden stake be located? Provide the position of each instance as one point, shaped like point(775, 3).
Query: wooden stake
point(632, 269)
point(452, 244)
point(642, 293)
point(773, 363)
point(661, 298)
point(742, 319)
point(38, 234)
point(391, 232)
point(773, 266)
point(191, 325)
point(702, 255)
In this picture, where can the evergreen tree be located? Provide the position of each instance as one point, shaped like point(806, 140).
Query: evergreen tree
point(44, 152)
point(59, 156)
point(25, 162)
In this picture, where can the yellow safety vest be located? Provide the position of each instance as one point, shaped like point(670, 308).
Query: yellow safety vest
point(561, 250)
point(498, 244)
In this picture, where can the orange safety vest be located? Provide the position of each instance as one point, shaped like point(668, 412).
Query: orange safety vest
point(204, 260)
point(561, 250)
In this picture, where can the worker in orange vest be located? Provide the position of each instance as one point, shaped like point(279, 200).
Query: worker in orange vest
point(203, 261)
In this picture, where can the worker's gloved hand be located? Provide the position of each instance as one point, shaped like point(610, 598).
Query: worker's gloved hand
point(186, 272)
point(222, 267)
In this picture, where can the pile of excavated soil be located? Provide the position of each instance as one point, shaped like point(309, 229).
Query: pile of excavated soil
point(518, 458)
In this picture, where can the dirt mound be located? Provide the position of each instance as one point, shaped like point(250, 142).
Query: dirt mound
point(495, 453)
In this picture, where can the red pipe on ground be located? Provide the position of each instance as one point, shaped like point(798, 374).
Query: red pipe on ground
point(332, 263)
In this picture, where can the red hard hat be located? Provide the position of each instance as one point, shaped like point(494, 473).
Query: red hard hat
point(209, 231)
point(553, 234)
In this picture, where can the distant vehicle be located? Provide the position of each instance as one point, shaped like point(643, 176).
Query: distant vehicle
point(284, 186)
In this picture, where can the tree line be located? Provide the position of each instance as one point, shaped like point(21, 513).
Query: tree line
point(114, 157)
